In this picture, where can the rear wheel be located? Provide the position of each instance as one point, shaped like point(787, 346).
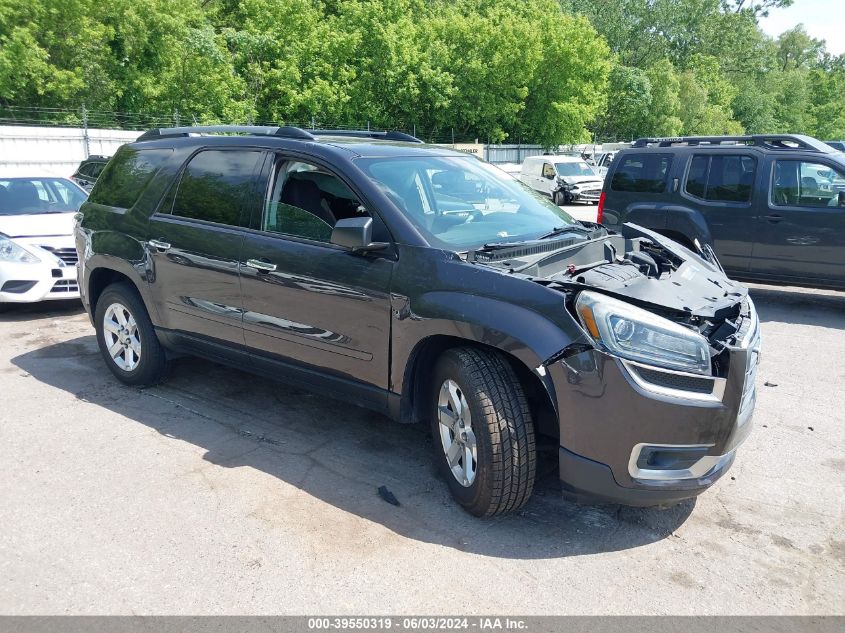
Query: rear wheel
point(483, 432)
point(126, 337)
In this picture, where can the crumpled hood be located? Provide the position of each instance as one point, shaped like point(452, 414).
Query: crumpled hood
point(37, 225)
point(696, 286)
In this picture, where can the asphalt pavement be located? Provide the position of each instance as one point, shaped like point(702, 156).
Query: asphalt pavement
point(220, 492)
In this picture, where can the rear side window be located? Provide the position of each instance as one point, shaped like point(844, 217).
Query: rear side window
point(721, 178)
point(127, 175)
point(216, 186)
point(642, 173)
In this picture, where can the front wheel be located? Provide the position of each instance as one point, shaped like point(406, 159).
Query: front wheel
point(482, 431)
point(126, 337)
point(559, 198)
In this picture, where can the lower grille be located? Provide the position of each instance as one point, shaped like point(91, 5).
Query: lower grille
point(67, 255)
point(676, 381)
point(65, 286)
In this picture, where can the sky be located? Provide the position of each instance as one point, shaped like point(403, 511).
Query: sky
point(822, 19)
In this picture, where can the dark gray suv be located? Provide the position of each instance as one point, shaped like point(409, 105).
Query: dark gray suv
point(771, 207)
point(427, 285)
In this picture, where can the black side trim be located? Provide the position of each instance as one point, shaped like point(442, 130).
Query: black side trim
point(281, 370)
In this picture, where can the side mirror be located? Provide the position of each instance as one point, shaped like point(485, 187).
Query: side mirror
point(356, 234)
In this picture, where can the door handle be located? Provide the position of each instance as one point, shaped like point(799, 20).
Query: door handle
point(261, 266)
point(159, 245)
point(774, 217)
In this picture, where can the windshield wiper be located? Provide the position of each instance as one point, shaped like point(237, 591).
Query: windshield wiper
point(564, 229)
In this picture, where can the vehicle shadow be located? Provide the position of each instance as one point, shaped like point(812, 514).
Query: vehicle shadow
point(11, 312)
point(341, 455)
point(799, 306)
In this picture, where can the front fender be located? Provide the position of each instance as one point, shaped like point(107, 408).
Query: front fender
point(528, 336)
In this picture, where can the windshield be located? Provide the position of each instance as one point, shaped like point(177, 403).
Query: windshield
point(461, 203)
point(30, 196)
point(579, 168)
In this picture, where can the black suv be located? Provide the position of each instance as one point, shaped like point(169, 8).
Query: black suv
point(430, 286)
point(772, 207)
point(89, 170)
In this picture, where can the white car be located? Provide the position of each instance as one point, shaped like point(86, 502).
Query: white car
point(565, 179)
point(37, 252)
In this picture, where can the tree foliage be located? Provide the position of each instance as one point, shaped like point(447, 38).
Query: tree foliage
point(547, 71)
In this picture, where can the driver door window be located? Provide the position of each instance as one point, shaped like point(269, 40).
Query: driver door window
point(306, 201)
point(548, 171)
point(806, 184)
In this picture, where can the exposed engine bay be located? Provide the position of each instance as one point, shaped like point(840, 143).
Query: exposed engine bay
point(638, 266)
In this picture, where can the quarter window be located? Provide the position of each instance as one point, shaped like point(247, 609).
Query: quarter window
point(807, 184)
point(216, 187)
point(642, 173)
point(127, 175)
point(721, 178)
point(305, 201)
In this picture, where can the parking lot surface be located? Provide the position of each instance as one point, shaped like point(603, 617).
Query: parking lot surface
point(221, 492)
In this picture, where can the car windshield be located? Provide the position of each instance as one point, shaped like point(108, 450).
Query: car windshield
point(30, 196)
point(461, 203)
point(579, 168)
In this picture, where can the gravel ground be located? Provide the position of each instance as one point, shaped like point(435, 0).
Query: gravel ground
point(222, 493)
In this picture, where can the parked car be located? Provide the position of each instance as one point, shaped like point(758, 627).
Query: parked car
point(565, 179)
point(325, 260)
point(37, 251)
point(89, 170)
point(772, 207)
point(603, 161)
point(837, 145)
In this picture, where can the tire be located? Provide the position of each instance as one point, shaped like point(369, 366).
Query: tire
point(559, 198)
point(499, 428)
point(142, 361)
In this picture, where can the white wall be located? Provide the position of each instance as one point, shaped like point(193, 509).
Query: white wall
point(55, 149)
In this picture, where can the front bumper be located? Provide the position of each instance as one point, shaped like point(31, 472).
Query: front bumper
point(588, 193)
point(51, 278)
point(636, 436)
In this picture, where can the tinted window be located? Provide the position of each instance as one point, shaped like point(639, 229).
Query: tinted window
point(642, 173)
point(215, 187)
point(806, 184)
point(722, 178)
point(127, 175)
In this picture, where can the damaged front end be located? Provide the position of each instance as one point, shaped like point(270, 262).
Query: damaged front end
point(665, 391)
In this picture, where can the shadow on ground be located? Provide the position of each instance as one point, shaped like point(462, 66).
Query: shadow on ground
point(341, 454)
point(10, 312)
point(822, 308)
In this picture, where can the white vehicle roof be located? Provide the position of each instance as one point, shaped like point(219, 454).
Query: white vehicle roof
point(562, 158)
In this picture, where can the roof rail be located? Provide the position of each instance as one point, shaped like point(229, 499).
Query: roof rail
point(286, 131)
point(768, 141)
point(387, 135)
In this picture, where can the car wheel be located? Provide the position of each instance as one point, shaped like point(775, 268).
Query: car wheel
point(482, 430)
point(559, 198)
point(127, 339)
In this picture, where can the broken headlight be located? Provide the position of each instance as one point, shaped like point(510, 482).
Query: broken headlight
point(626, 331)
